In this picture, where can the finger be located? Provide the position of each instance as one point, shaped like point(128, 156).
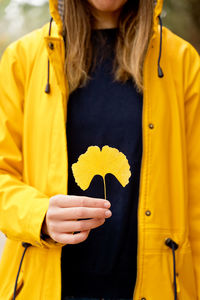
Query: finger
point(69, 238)
point(83, 225)
point(74, 213)
point(80, 201)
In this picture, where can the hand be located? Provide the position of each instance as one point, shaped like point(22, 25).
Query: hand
point(64, 212)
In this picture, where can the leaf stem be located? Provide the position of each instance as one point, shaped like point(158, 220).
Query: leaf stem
point(104, 181)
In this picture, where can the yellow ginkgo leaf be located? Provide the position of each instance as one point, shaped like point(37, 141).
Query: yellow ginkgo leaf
point(96, 162)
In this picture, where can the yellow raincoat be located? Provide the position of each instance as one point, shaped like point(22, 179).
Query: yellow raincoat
point(33, 165)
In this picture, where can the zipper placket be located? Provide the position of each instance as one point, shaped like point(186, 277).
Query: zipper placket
point(143, 186)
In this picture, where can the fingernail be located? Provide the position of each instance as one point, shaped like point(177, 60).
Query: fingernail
point(107, 204)
point(108, 213)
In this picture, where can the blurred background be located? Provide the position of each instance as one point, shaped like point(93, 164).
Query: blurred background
point(17, 17)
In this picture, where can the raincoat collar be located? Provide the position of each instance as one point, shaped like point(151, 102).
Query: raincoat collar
point(57, 13)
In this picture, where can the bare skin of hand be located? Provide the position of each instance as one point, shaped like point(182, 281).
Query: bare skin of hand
point(64, 213)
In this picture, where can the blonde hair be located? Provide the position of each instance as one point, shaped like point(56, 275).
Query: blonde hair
point(135, 30)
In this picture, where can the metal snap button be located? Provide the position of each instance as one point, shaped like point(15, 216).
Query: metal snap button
point(148, 213)
point(151, 126)
point(51, 46)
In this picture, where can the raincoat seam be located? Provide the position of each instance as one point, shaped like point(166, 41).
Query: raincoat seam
point(148, 146)
point(147, 103)
point(143, 205)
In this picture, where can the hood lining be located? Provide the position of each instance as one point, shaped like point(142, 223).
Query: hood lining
point(61, 9)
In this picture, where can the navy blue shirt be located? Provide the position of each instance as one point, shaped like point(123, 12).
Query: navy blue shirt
point(105, 112)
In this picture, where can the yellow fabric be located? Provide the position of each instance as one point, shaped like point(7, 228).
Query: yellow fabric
point(33, 166)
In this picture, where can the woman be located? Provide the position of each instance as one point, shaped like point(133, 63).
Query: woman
point(133, 87)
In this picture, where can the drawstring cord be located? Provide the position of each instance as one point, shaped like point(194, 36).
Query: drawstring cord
point(160, 71)
point(26, 246)
point(47, 89)
point(172, 245)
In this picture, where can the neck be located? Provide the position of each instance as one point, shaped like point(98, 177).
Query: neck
point(106, 20)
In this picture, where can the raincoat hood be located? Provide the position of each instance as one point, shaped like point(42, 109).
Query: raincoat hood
point(57, 12)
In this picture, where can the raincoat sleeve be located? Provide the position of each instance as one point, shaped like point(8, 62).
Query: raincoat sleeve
point(22, 207)
point(192, 115)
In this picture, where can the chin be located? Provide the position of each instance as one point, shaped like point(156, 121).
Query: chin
point(107, 5)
